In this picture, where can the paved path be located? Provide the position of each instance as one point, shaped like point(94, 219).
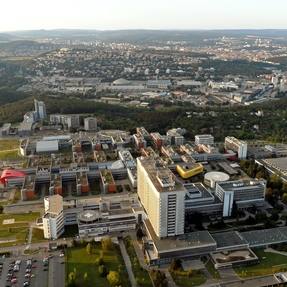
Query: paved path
point(271, 250)
point(127, 263)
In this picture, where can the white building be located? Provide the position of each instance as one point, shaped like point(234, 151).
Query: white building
point(245, 193)
point(47, 146)
point(53, 219)
point(204, 140)
point(236, 145)
point(90, 124)
point(40, 109)
point(162, 197)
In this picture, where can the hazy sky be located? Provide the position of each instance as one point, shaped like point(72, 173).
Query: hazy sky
point(133, 14)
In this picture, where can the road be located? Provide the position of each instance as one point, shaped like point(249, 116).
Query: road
point(57, 272)
point(127, 263)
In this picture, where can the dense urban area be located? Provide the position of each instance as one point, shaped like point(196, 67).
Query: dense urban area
point(143, 158)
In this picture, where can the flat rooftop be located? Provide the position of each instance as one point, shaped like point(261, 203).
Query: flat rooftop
point(161, 176)
point(240, 184)
point(265, 236)
point(186, 241)
point(229, 239)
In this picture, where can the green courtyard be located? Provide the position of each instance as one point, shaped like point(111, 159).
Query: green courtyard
point(270, 263)
point(86, 266)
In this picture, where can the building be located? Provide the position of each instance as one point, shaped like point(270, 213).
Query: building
point(211, 178)
point(40, 109)
point(245, 193)
point(5, 130)
point(204, 140)
point(158, 84)
point(176, 137)
point(53, 219)
point(90, 124)
point(68, 121)
point(47, 146)
point(162, 197)
point(73, 121)
point(236, 145)
point(95, 223)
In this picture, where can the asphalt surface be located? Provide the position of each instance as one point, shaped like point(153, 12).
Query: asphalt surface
point(39, 277)
point(57, 271)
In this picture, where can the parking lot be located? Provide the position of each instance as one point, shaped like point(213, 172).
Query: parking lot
point(34, 271)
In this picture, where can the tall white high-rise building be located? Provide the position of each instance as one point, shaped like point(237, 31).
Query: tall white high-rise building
point(40, 109)
point(162, 197)
point(236, 145)
point(53, 219)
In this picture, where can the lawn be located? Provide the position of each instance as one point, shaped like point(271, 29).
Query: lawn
point(9, 149)
point(19, 218)
point(17, 235)
point(183, 280)
point(270, 263)
point(9, 154)
point(78, 259)
point(37, 235)
point(210, 267)
point(141, 275)
point(9, 144)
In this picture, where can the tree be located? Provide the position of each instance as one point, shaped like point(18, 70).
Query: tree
point(284, 198)
point(1, 209)
point(114, 278)
point(175, 265)
point(103, 270)
point(274, 215)
point(86, 276)
point(159, 278)
point(72, 278)
point(89, 249)
point(107, 244)
point(100, 260)
point(140, 233)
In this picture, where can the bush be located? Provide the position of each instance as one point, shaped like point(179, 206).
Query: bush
point(107, 244)
point(114, 278)
point(100, 261)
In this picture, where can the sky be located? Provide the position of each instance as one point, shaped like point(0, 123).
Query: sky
point(142, 14)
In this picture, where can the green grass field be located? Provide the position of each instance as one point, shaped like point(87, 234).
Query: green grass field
point(19, 218)
point(210, 267)
point(196, 279)
point(77, 258)
point(18, 231)
point(9, 150)
point(17, 235)
point(37, 235)
point(270, 263)
point(9, 144)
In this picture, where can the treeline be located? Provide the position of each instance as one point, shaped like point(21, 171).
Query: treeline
point(237, 121)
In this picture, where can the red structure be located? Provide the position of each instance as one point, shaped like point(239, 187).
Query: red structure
point(10, 173)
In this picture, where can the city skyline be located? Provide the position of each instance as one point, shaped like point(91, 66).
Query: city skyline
point(116, 15)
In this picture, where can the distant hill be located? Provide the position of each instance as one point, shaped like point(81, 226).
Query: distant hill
point(195, 36)
point(6, 37)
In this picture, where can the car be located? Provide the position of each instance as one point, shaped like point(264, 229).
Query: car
point(26, 283)
point(14, 280)
point(45, 269)
point(27, 275)
point(62, 255)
